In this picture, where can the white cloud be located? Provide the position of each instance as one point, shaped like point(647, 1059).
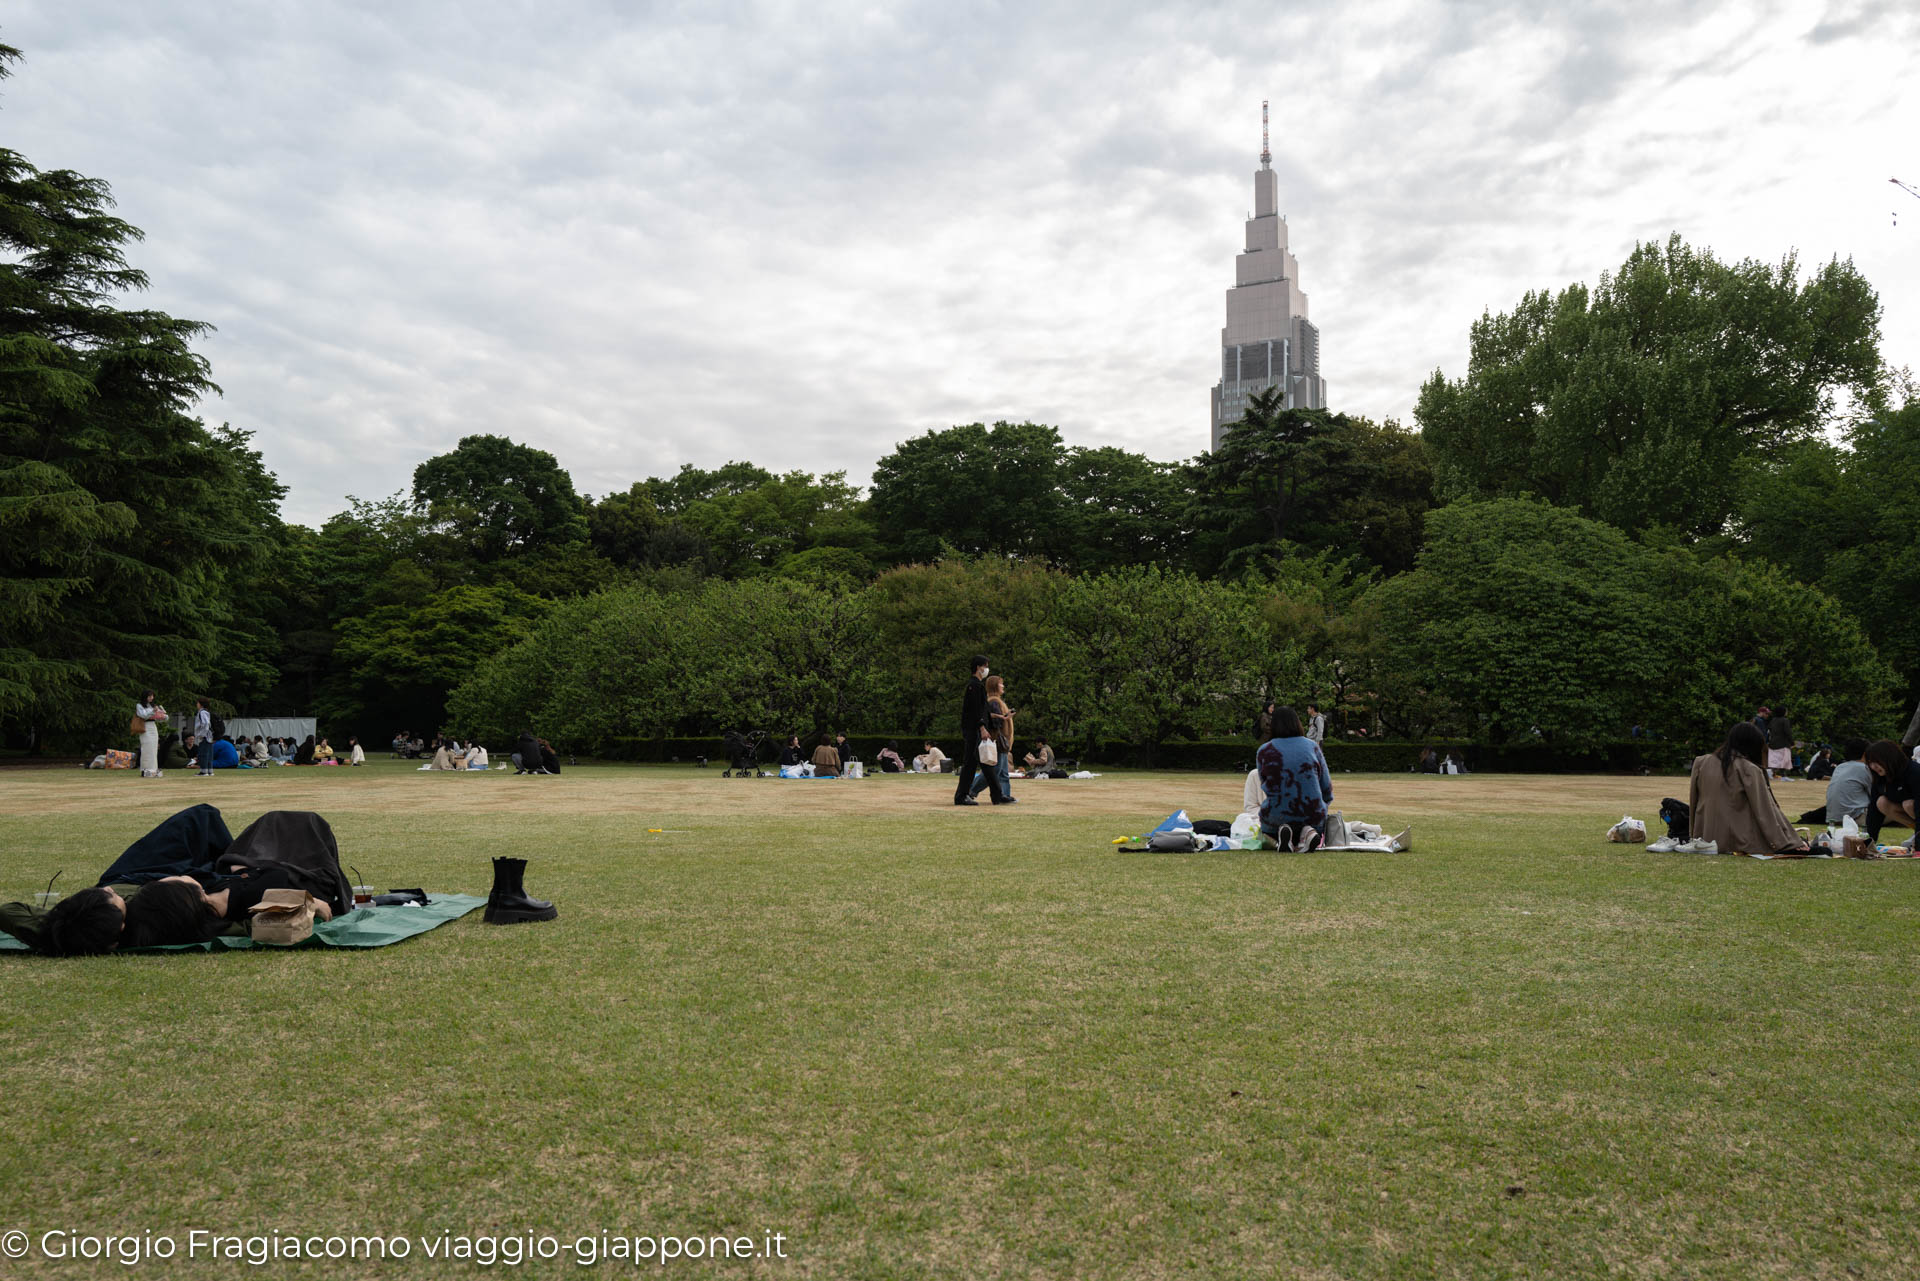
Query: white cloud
point(646, 236)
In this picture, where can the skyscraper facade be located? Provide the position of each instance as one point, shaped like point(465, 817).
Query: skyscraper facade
point(1268, 340)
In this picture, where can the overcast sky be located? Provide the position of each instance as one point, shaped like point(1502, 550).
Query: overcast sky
point(646, 234)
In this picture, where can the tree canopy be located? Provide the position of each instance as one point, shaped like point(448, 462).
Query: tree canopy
point(1640, 402)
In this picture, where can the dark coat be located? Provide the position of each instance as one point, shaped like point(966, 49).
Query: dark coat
point(973, 709)
point(297, 844)
point(185, 845)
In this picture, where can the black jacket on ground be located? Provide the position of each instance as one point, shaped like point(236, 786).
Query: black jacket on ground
point(295, 849)
point(185, 845)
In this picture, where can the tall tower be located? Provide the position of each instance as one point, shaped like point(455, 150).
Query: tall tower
point(1268, 340)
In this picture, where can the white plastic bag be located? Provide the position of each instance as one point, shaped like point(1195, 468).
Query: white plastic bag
point(1628, 829)
point(989, 752)
point(1245, 825)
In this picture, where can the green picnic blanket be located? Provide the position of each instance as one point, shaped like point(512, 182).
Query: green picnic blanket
point(362, 927)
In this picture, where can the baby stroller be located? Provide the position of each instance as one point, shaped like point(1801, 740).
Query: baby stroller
point(742, 751)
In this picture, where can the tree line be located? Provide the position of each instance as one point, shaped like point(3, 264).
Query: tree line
point(1650, 503)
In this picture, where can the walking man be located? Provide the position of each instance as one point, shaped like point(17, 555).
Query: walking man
point(203, 736)
point(1316, 723)
point(973, 727)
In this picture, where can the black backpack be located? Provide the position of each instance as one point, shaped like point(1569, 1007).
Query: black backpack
point(217, 726)
point(1678, 816)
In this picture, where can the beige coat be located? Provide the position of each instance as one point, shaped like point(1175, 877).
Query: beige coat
point(1737, 812)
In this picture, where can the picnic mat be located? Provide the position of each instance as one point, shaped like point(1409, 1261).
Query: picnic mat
point(362, 927)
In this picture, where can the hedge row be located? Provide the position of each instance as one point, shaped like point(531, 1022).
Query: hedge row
point(1223, 756)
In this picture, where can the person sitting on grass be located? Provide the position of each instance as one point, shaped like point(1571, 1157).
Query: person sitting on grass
point(323, 753)
point(890, 760)
point(791, 753)
point(442, 757)
point(1296, 783)
point(477, 757)
point(1731, 802)
point(1821, 765)
point(1848, 785)
point(303, 755)
point(257, 750)
point(1896, 787)
point(826, 760)
point(931, 760)
point(845, 748)
point(1040, 759)
point(356, 754)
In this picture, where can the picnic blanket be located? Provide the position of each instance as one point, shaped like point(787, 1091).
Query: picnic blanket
point(362, 928)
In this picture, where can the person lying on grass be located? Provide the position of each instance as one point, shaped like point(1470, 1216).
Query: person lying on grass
point(1732, 802)
point(179, 909)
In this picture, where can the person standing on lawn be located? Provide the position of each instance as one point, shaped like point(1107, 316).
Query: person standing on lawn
point(1316, 724)
point(1000, 727)
point(203, 735)
point(1779, 743)
point(149, 712)
point(973, 728)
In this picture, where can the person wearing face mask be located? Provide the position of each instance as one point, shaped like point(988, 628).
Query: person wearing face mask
point(974, 729)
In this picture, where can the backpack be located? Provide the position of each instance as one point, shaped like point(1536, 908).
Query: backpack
point(1678, 816)
point(216, 725)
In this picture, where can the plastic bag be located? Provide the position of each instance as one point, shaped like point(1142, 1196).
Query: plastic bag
point(1628, 829)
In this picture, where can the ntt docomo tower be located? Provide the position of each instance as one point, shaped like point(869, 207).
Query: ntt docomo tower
point(1268, 340)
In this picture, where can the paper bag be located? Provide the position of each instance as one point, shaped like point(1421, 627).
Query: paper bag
point(282, 917)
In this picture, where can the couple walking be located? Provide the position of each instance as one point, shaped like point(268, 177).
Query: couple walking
point(984, 718)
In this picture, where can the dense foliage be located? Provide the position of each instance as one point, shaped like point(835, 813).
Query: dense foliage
point(1651, 504)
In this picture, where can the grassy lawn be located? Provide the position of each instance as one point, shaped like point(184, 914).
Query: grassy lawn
point(928, 1042)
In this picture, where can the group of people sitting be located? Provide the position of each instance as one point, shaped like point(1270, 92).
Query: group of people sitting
point(452, 754)
point(1431, 762)
point(831, 758)
point(1731, 803)
point(259, 751)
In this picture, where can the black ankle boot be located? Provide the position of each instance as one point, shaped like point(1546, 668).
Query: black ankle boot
point(508, 904)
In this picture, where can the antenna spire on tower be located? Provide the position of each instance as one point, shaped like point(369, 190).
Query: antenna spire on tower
point(1266, 156)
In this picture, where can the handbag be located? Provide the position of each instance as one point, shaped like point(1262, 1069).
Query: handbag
point(989, 752)
point(137, 727)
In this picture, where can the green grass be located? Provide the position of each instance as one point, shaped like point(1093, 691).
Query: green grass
point(931, 1043)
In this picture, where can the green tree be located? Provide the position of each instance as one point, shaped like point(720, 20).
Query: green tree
point(1143, 655)
point(496, 498)
point(1287, 481)
point(1522, 617)
point(1841, 516)
point(975, 489)
point(1639, 402)
point(126, 527)
point(404, 659)
point(930, 620)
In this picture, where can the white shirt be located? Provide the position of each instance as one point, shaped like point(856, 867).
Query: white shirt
point(477, 758)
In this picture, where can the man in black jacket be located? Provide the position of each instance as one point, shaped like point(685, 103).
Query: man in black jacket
point(973, 717)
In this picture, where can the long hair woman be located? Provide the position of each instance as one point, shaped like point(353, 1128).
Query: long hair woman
point(1732, 803)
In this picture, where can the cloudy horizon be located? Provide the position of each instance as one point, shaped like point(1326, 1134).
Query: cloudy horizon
point(684, 234)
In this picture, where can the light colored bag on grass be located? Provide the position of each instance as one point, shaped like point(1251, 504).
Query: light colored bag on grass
point(282, 917)
point(1628, 829)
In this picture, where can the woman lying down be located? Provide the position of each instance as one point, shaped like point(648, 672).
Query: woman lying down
point(187, 881)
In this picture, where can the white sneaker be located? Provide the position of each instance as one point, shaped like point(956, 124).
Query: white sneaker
point(1665, 845)
point(1699, 846)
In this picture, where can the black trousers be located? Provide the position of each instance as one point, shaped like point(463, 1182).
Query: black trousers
point(969, 765)
point(1816, 815)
